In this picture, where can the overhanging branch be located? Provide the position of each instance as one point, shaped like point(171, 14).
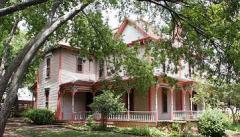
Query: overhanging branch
point(21, 6)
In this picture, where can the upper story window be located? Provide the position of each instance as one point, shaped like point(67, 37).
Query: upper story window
point(101, 69)
point(79, 64)
point(48, 68)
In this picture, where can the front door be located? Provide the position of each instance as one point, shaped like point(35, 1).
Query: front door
point(89, 100)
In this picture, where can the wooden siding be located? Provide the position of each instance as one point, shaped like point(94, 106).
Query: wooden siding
point(51, 82)
point(68, 73)
point(69, 68)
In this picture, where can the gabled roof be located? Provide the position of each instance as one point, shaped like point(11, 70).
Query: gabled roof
point(146, 35)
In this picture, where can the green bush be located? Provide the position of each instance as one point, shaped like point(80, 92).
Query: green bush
point(176, 127)
point(213, 123)
point(40, 116)
point(146, 131)
point(90, 121)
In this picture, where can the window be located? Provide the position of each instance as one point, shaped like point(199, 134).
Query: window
point(101, 68)
point(48, 63)
point(110, 70)
point(47, 98)
point(79, 64)
point(165, 100)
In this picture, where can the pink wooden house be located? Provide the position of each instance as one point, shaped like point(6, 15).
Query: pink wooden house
point(67, 84)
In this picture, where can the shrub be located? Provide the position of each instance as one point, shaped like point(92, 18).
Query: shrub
point(90, 121)
point(146, 131)
point(213, 123)
point(107, 103)
point(176, 127)
point(40, 116)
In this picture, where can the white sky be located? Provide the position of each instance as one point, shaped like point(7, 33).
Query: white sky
point(24, 94)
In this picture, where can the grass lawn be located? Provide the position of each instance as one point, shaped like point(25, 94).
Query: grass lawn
point(32, 133)
point(235, 127)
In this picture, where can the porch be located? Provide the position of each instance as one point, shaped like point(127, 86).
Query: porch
point(159, 103)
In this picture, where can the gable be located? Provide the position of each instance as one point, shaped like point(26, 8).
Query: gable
point(131, 34)
point(129, 31)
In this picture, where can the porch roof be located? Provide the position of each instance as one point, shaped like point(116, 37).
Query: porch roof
point(83, 85)
point(181, 81)
point(93, 85)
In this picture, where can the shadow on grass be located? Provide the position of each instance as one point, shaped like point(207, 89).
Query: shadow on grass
point(32, 133)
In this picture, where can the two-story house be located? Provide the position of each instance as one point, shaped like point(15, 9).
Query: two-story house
point(67, 83)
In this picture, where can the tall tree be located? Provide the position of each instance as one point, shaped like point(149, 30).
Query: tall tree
point(14, 74)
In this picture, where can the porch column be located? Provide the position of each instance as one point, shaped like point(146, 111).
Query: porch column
point(73, 111)
point(183, 100)
point(128, 103)
point(60, 113)
point(156, 102)
point(191, 103)
point(171, 103)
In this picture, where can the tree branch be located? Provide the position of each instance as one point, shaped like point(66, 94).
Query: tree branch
point(53, 11)
point(21, 6)
point(181, 17)
point(6, 46)
point(36, 43)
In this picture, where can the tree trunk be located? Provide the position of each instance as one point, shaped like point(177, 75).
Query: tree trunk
point(103, 120)
point(20, 6)
point(38, 40)
point(233, 115)
point(19, 74)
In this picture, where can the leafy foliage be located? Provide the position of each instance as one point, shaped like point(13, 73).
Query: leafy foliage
point(107, 103)
point(213, 123)
point(40, 116)
point(207, 93)
point(90, 121)
point(222, 96)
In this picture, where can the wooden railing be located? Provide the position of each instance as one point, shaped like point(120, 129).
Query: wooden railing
point(82, 115)
point(186, 115)
point(144, 116)
point(133, 116)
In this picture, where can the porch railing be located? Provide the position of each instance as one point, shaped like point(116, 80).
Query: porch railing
point(186, 115)
point(147, 116)
point(133, 116)
point(143, 116)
